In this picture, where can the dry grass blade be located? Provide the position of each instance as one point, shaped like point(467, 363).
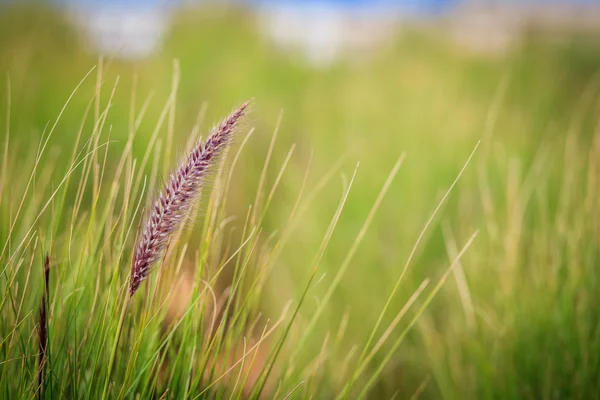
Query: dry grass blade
point(293, 390)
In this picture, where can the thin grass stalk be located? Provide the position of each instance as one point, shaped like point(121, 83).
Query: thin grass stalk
point(366, 387)
point(317, 262)
point(345, 394)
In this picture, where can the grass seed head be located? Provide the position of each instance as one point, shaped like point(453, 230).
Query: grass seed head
point(179, 194)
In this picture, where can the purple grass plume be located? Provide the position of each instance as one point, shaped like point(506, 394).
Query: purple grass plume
point(43, 328)
point(178, 196)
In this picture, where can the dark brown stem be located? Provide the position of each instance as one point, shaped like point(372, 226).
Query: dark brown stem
point(43, 326)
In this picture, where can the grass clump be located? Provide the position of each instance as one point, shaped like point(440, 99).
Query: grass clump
point(184, 336)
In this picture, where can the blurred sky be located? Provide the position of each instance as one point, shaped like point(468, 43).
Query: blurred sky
point(340, 3)
point(319, 28)
point(322, 30)
point(353, 4)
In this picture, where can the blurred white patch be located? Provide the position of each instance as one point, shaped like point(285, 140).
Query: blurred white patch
point(324, 33)
point(131, 33)
point(495, 28)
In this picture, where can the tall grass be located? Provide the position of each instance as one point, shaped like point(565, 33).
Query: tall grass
point(213, 344)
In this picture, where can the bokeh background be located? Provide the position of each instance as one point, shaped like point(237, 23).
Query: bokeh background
point(361, 81)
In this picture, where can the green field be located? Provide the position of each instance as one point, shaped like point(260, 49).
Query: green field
point(313, 267)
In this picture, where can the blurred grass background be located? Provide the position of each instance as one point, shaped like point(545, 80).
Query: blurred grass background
point(533, 330)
